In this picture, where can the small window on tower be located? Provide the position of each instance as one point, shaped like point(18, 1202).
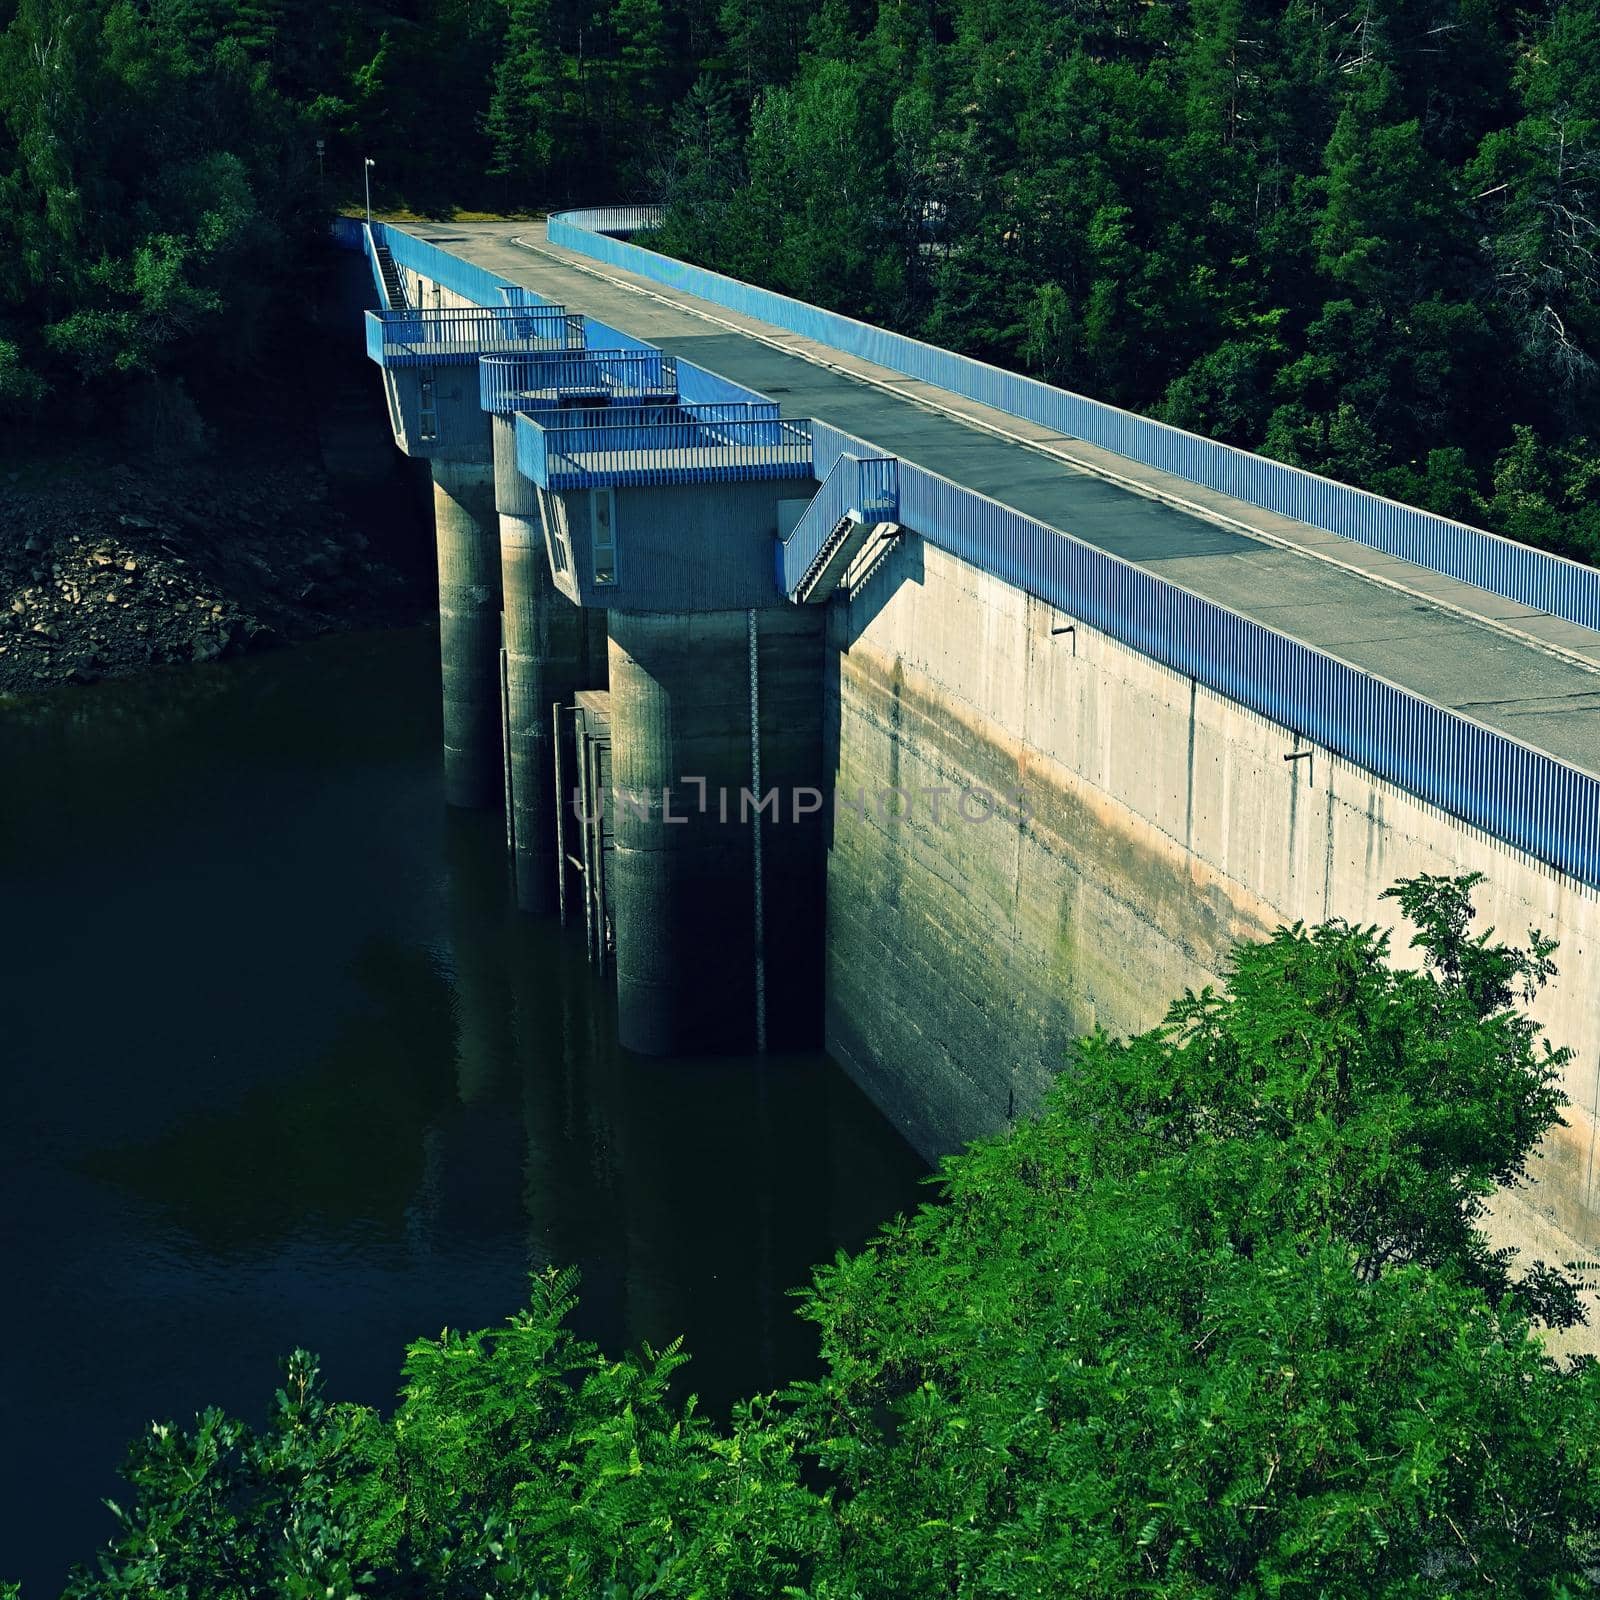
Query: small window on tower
point(603, 531)
point(553, 513)
point(427, 407)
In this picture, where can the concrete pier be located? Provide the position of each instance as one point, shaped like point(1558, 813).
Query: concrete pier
point(468, 537)
point(549, 657)
point(684, 812)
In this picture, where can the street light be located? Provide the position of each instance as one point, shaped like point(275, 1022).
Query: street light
point(366, 175)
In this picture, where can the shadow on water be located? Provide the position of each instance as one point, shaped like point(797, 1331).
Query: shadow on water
point(282, 1066)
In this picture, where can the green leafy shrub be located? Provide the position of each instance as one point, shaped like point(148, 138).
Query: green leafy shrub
point(1218, 1321)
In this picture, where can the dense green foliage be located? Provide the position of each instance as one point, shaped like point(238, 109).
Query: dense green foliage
point(1218, 1322)
point(153, 194)
point(162, 189)
point(1363, 240)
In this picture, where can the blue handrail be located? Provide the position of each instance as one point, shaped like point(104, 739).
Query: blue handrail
point(556, 377)
point(626, 445)
point(372, 235)
point(463, 333)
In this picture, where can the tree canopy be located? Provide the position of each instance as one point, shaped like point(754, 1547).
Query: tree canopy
point(1363, 241)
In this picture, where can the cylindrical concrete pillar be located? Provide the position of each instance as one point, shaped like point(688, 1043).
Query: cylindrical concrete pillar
point(547, 661)
point(468, 539)
point(683, 815)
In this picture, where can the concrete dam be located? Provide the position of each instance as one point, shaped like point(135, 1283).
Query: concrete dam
point(942, 714)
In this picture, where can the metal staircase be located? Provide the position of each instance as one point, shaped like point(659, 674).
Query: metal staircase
point(828, 567)
point(858, 496)
point(394, 289)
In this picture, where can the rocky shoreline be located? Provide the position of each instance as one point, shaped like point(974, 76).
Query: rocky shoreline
point(110, 571)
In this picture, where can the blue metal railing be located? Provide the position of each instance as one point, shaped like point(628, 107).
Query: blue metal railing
point(1517, 572)
point(488, 289)
point(626, 445)
point(878, 489)
point(602, 336)
point(463, 333)
point(864, 490)
point(709, 411)
point(1481, 776)
point(609, 219)
point(698, 386)
point(558, 377)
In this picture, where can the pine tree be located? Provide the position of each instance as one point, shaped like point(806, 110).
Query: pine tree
point(524, 121)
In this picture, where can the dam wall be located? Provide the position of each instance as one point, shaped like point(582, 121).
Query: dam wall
point(1159, 823)
point(1060, 785)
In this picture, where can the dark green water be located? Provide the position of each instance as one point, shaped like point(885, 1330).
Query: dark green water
point(279, 1065)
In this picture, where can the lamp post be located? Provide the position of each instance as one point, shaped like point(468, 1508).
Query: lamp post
point(366, 176)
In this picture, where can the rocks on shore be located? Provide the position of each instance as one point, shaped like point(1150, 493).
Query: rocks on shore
point(108, 574)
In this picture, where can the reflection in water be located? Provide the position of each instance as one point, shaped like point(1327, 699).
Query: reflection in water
point(282, 1066)
point(376, 1084)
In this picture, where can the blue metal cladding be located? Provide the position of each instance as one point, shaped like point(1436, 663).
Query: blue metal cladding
point(557, 377)
point(349, 233)
point(1520, 795)
point(623, 445)
point(862, 490)
point(533, 459)
point(602, 336)
point(1517, 572)
point(513, 294)
point(697, 385)
point(463, 333)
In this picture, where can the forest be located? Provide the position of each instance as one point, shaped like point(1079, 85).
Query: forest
point(1359, 239)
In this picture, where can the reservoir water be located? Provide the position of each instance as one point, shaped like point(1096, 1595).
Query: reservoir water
point(280, 1065)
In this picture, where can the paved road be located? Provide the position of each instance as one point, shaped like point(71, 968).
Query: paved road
point(1513, 668)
